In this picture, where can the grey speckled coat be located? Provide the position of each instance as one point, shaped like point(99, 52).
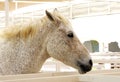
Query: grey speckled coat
point(25, 47)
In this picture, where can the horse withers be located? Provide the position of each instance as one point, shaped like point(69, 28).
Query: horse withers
point(24, 47)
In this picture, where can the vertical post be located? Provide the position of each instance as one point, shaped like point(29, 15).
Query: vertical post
point(13, 14)
point(109, 7)
point(88, 9)
point(16, 5)
point(58, 67)
point(71, 16)
point(6, 13)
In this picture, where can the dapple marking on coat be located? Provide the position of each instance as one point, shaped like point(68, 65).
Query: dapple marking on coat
point(25, 47)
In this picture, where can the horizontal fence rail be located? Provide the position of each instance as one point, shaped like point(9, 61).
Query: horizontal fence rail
point(70, 10)
point(93, 76)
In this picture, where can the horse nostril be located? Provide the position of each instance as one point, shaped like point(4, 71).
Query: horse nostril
point(85, 67)
point(90, 62)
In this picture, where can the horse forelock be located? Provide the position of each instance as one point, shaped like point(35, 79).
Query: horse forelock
point(62, 18)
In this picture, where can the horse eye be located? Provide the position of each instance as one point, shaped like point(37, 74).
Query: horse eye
point(70, 35)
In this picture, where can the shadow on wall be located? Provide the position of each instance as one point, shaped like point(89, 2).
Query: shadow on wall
point(92, 45)
point(113, 47)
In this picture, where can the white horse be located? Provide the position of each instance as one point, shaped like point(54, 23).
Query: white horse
point(25, 47)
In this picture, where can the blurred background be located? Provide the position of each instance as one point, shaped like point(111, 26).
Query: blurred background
point(96, 23)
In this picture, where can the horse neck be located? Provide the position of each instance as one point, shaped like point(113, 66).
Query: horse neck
point(44, 30)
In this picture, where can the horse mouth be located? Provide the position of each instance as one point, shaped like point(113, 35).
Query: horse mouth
point(84, 68)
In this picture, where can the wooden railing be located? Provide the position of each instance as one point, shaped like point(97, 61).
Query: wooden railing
point(96, 76)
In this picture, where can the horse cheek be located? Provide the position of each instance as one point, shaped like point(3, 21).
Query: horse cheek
point(54, 49)
point(51, 49)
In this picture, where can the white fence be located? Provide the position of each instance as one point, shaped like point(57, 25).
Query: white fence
point(70, 10)
point(58, 75)
point(101, 61)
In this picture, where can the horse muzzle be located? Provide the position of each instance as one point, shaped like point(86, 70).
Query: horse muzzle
point(84, 68)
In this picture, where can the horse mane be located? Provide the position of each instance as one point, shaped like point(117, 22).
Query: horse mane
point(20, 30)
point(28, 29)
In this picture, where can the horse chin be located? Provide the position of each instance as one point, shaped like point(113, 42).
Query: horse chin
point(81, 72)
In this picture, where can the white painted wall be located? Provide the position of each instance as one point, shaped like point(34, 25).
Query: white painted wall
point(102, 28)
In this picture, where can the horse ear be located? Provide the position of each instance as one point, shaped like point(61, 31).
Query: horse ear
point(55, 10)
point(49, 15)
